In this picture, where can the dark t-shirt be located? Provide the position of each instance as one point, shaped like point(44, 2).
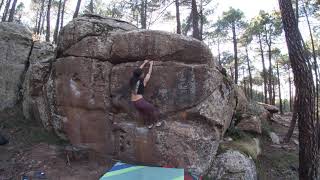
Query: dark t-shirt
point(139, 87)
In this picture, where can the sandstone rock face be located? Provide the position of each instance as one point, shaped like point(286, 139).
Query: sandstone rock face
point(233, 165)
point(35, 101)
point(81, 91)
point(15, 47)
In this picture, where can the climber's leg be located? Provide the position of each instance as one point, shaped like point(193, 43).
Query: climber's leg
point(148, 111)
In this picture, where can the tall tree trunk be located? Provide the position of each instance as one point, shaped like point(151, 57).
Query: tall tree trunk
point(297, 12)
point(250, 75)
point(178, 17)
point(91, 6)
point(5, 12)
point(77, 9)
point(219, 54)
point(143, 14)
point(231, 72)
point(273, 92)
point(314, 55)
point(36, 26)
point(309, 157)
point(12, 11)
point(195, 20)
point(270, 74)
point(48, 21)
point(279, 89)
point(292, 124)
point(62, 13)
point(234, 37)
point(201, 20)
point(40, 17)
point(264, 72)
point(56, 30)
point(186, 29)
point(290, 92)
point(1, 4)
point(42, 23)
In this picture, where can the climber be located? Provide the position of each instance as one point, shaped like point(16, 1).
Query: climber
point(138, 82)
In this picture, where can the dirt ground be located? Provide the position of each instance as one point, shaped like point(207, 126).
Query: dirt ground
point(279, 161)
point(32, 150)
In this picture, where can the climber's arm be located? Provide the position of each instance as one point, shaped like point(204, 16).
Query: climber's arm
point(143, 64)
point(147, 78)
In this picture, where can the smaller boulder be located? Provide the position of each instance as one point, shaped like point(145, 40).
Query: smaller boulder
point(233, 165)
point(272, 109)
point(250, 124)
point(274, 137)
point(242, 101)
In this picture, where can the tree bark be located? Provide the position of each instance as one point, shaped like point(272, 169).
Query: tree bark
point(42, 23)
point(273, 92)
point(279, 89)
point(56, 30)
point(201, 20)
point(62, 13)
point(5, 12)
point(290, 92)
point(292, 124)
point(1, 4)
point(264, 72)
point(250, 75)
point(48, 21)
point(234, 37)
point(195, 20)
point(77, 9)
point(219, 54)
point(178, 17)
point(270, 74)
point(12, 11)
point(297, 12)
point(40, 17)
point(143, 14)
point(314, 55)
point(91, 6)
point(309, 157)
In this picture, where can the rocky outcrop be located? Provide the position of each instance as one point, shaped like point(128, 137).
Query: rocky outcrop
point(81, 92)
point(15, 47)
point(35, 101)
point(88, 94)
point(233, 165)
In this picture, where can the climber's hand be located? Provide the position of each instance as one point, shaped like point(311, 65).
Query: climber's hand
point(146, 61)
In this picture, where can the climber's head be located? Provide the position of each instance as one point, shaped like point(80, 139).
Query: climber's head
point(138, 73)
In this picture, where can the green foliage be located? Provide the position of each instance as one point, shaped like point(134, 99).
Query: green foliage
point(237, 134)
point(231, 18)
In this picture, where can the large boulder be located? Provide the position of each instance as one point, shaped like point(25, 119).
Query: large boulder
point(83, 95)
point(233, 165)
point(15, 47)
point(35, 101)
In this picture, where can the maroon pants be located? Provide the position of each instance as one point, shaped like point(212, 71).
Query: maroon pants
point(149, 112)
